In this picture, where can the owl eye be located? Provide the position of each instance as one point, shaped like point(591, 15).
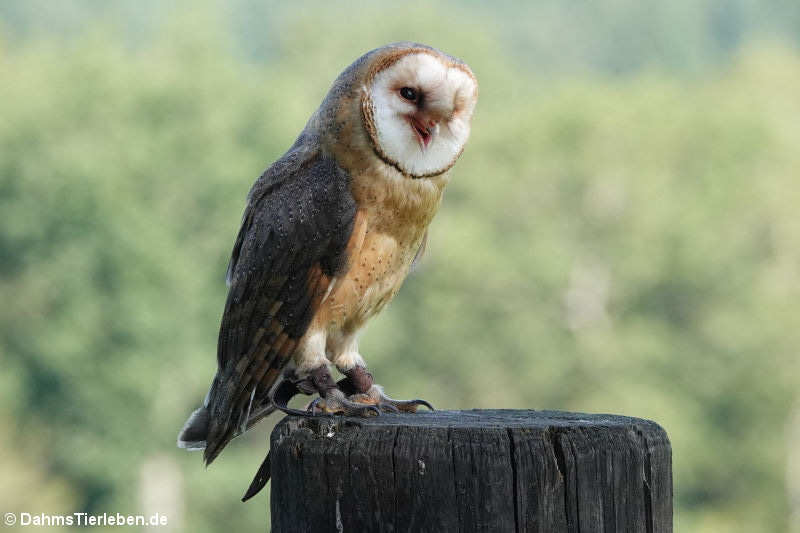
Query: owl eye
point(409, 94)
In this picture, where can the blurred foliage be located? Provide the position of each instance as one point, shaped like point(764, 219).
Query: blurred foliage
point(620, 244)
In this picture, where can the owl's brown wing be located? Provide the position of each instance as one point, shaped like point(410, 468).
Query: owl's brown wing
point(292, 242)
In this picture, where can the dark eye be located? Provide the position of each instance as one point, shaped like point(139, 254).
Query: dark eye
point(409, 94)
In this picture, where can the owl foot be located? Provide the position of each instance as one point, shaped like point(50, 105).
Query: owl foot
point(359, 387)
point(336, 403)
point(331, 401)
point(375, 396)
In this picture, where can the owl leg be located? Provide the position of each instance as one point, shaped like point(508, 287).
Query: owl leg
point(331, 401)
point(360, 388)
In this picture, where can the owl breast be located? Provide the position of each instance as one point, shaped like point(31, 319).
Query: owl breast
point(389, 229)
point(378, 266)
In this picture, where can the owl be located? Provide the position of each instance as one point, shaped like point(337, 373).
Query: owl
point(328, 236)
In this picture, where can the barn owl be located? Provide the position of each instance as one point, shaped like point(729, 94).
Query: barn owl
point(328, 235)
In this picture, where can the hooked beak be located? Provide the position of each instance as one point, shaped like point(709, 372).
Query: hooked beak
point(423, 128)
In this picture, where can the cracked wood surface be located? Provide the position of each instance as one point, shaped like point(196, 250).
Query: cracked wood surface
point(480, 470)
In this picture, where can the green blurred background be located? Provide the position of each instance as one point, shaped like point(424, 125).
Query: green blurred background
point(621, 235)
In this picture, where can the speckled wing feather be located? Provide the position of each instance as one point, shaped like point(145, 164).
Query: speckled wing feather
point(291, 244)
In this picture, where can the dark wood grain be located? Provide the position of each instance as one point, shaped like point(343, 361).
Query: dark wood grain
point(481, 470)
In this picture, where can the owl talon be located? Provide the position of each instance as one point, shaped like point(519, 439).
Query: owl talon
point(375, 396)
point(405, 406)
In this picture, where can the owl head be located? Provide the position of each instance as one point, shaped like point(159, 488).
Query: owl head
point(417, 105)
point(407, 103)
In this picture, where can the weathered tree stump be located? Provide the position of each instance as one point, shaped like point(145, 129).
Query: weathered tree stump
point(481, 470)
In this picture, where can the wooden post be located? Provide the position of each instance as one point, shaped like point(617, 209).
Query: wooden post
point(481, 470)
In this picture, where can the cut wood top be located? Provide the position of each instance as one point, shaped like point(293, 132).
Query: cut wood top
point(482, 418)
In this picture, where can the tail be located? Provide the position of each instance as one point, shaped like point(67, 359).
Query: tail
point(194, 433)
point(197, 433)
